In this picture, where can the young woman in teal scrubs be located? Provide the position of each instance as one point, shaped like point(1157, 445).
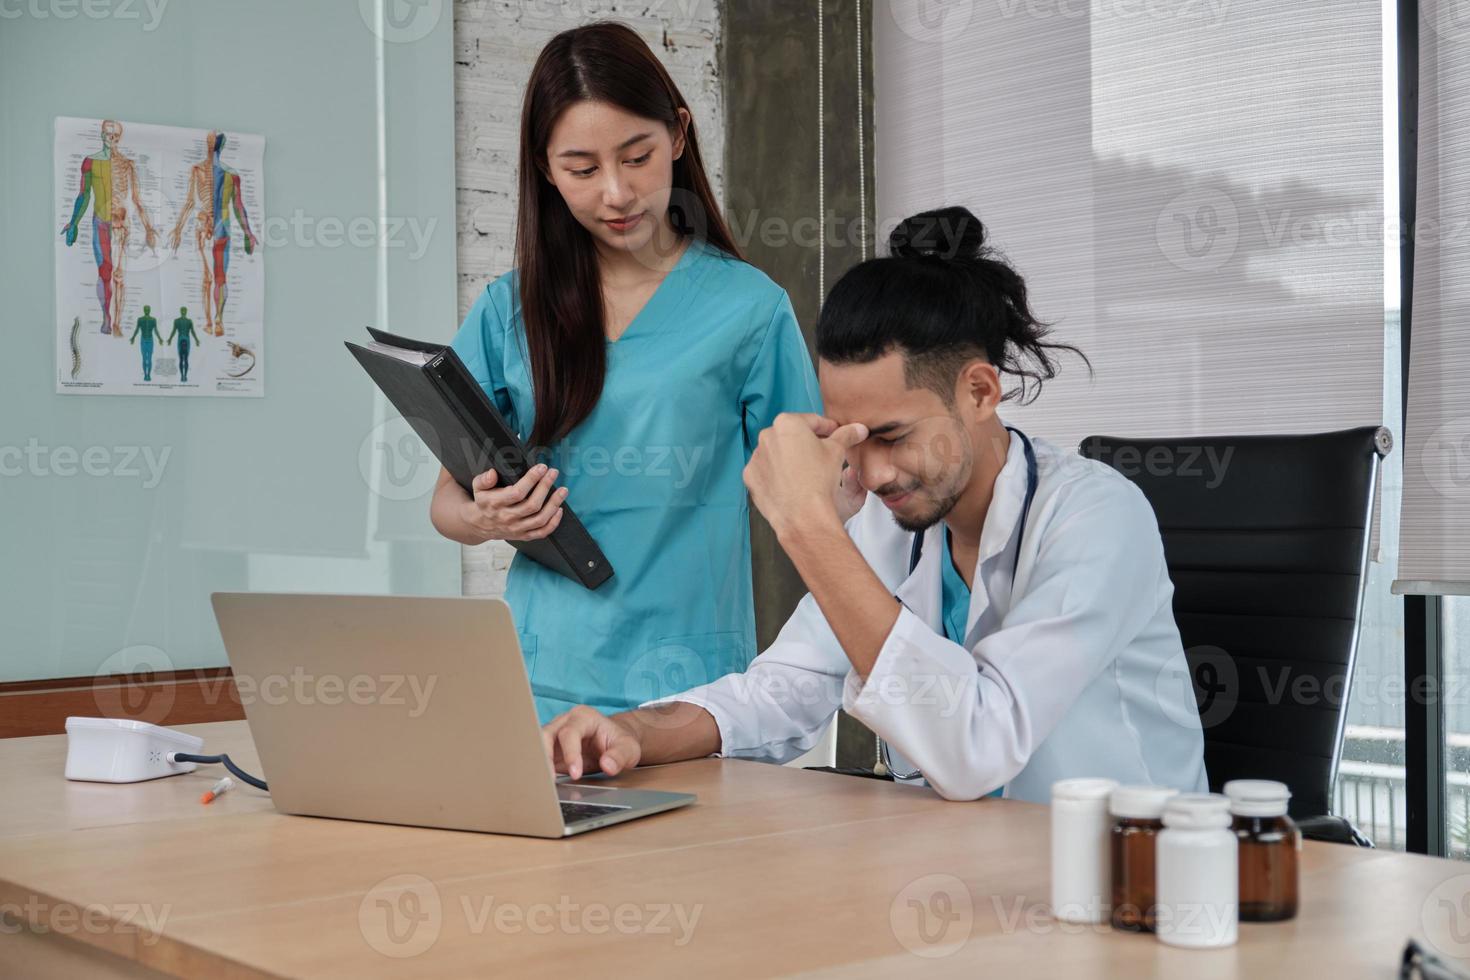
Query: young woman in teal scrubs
point(644, 355)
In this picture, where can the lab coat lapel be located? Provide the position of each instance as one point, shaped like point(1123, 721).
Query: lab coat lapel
point(1000, 525)
point(920, 592)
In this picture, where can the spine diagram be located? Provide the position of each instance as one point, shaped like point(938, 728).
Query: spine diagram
point(76, 349)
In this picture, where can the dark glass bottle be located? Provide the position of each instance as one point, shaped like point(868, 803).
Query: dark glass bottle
point(1138, 821)
point(1270, 848)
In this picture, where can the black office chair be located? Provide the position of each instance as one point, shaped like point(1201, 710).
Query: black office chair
point(1266, 539)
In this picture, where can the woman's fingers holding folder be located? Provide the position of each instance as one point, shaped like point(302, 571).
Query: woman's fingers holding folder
point(540, 513)
point(535, 499)
point(528, 509)
point(541, 526)
point(488, 484)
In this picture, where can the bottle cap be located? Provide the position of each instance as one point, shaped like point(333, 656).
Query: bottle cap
point(1084, 790)
point(1140, 802)
point(1197, 811)
point(1257, 797)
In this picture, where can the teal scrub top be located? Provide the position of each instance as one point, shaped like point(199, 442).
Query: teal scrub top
point(954, 607)
point(655, 475)
point(954, 597)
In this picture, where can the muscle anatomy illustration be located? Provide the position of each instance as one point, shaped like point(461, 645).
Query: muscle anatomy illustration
point(184, 330)
point(109, 180)
point(148, 327)
point(195, 195)
point(214, 192)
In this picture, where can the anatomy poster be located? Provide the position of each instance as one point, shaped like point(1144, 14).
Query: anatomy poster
point(160, 278)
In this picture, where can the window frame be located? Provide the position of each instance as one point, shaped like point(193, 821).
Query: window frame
point(1424, 723)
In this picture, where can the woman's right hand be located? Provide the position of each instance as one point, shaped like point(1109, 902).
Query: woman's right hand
point(526, 511)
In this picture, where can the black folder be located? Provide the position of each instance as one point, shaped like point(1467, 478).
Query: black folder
point(432, 389)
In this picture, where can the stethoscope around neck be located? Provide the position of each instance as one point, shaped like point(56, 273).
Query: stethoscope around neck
point(882, 766)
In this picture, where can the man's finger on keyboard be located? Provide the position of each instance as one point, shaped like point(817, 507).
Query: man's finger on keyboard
point(569, 739)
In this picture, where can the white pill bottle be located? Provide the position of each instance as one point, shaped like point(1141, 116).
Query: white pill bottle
point(1197, 864)
point(1081, 859)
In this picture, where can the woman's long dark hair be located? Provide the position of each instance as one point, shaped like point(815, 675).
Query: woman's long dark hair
point(941, 296)
point(560, 288)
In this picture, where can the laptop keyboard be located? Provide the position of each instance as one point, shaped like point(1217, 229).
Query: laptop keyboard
point(572, 812)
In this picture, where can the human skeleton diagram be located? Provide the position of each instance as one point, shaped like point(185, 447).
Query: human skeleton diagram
point(214, 190)
point(108, 181)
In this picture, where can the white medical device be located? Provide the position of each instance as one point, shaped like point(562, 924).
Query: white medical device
point(120, 750)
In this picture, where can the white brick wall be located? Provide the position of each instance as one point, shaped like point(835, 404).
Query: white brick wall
point(495, 45)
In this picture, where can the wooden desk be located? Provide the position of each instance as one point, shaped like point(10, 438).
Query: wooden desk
point(773, 871)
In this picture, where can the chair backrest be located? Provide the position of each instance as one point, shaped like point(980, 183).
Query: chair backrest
point(1266, 539)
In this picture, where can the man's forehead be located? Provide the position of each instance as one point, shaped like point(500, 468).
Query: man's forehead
point(880, 378)
point(873, 393)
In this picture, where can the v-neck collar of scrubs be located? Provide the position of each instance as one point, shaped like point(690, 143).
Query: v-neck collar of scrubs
point(954, 596)
point(692, 250)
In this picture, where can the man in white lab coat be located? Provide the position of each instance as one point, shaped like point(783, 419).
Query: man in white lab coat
point(998, 611)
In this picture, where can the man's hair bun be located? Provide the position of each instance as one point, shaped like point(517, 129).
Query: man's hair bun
point(944, 233)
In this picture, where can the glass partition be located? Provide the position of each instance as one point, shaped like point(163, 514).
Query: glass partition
point(121, 514)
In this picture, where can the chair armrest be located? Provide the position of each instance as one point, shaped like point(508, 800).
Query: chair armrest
point(1333, 830)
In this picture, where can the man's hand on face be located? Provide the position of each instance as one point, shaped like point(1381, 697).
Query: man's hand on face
point(796, 464)
point(585, 735)
point(851, 494)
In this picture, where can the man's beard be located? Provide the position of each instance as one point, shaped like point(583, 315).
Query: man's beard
point(917, 525)
point(959, 478)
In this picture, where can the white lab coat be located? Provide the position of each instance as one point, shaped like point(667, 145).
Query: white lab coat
point(1075, 668)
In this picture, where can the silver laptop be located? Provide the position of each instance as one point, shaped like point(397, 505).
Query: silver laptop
point(405, 710)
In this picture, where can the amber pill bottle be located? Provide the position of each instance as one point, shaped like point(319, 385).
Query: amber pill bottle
point(1137, 813)
point(1270, 849)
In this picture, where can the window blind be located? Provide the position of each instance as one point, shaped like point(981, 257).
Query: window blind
point(1193, 191)
point(1434, 544)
